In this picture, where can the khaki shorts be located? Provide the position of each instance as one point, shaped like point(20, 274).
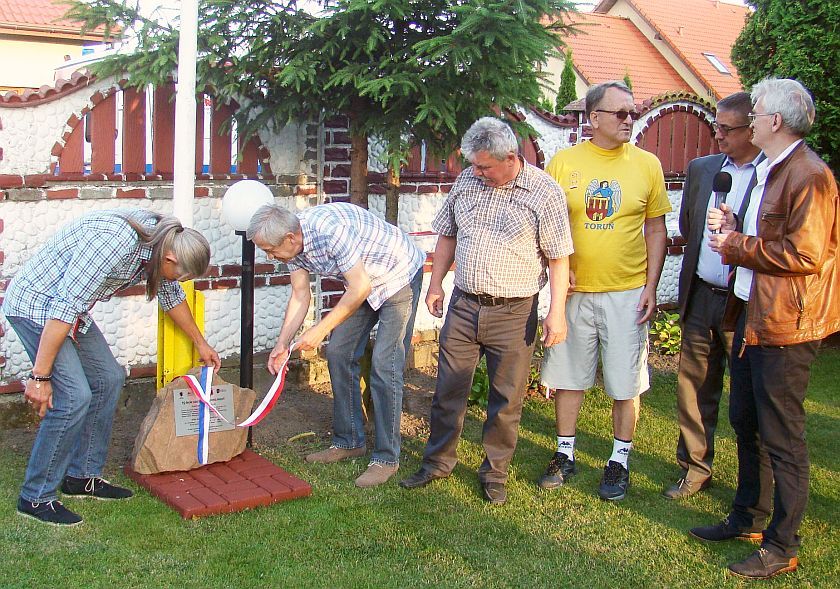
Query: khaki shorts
point(605, 321)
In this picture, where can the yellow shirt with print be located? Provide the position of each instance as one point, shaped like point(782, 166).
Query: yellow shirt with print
point(610, 193)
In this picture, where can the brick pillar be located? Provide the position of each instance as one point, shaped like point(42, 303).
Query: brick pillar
point(336, 160)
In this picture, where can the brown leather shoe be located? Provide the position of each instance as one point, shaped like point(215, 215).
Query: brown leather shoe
point(333, 454)
point(376, 474)
point(494, 493)
point(763, 564)
point(684, 488)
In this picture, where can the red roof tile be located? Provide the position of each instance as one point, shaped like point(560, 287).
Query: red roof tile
point(39, 16)
point(609, 47)
point(695, 27)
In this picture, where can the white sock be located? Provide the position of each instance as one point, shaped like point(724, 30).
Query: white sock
point(621, 451)
point(566, 445)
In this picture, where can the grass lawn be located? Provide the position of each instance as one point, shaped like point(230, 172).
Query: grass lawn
point(445, 535)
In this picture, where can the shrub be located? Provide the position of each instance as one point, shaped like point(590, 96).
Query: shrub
point(666, 333)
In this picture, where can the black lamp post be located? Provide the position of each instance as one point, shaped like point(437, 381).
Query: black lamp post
point(239, 203)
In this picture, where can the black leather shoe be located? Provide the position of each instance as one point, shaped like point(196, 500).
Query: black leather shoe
point(684, 488)
point(495, 493)
point(725, 531)
point(558, 471)
point(763, 564)
point(421, 478)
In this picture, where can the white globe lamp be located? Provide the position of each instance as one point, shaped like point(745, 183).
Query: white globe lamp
point(241, 201)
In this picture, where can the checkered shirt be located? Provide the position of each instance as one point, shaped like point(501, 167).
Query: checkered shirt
point(87, 261)
point(506, 234)
point(337, 236)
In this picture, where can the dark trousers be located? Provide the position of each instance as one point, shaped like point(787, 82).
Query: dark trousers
point(505, 335)
point(767, 413)
point(704, 352)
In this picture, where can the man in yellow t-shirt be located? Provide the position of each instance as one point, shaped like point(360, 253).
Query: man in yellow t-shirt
point(617, 204)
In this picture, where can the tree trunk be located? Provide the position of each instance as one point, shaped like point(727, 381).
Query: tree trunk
point(358, 167)
point(392, 194)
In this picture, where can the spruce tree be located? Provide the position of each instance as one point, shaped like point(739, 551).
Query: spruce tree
point(403, 71)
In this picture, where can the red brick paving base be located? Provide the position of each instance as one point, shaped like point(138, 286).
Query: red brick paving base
point(246, 481)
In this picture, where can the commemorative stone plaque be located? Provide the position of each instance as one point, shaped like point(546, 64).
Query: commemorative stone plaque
point(186, 410)
point(168, 437)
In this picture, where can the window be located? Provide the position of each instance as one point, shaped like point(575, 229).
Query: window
point(718, 64)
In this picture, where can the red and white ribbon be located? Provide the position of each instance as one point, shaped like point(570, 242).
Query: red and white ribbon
point(202, 391)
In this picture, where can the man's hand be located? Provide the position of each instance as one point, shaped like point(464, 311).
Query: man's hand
point(572, 280)
point(39, 394)
point(716, 241)
point(209, 356)
point(554, 329)
point(311, 338)
point(277, 356)
point(647, 304)
point(434, 300)
point(722, 219)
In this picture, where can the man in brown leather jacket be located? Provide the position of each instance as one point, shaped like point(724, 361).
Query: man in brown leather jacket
point(785, 299)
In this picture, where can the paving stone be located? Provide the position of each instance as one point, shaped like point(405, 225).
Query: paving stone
point(246, 481)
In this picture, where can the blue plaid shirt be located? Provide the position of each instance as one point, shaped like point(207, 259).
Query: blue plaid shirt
point(87, 261)
point(336, 236)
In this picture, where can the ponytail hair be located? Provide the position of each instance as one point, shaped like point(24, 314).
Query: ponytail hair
point(190, 247)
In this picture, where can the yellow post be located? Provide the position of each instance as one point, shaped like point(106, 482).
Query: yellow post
point(176, 352)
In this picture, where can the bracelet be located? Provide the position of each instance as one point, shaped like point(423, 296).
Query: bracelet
point(33, 376)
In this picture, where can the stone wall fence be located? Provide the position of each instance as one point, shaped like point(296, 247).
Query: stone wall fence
point(89, 144)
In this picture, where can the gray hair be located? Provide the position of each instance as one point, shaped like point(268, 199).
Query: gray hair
point(595, 94)
point(491, 135)
point(271, 223)
point(790, 99)
point(190, 247)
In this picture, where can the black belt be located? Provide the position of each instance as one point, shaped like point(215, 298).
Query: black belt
point(486, 300)
point(715, 289)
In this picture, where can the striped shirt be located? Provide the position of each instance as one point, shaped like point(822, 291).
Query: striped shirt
point(506, 234)
point(337, 236)
point(87, 261)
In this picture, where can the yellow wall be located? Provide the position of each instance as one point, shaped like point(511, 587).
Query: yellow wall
point(31, 62)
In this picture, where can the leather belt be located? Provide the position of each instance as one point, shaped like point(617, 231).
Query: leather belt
point(715, 289)
point(486, 300)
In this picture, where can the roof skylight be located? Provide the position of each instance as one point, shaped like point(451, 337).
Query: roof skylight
point(718, 64)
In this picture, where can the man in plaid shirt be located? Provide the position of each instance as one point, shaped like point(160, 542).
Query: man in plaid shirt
point(382, 271)
point(75, 382)
point(504, 223)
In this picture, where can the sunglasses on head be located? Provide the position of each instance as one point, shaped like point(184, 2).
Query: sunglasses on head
point(621, 114)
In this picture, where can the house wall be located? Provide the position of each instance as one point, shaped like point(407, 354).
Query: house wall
point(31, 62)
point(622, 8)
point(554, 70)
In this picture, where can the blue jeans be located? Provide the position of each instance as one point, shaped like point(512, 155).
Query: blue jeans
point(346, 347)
point(74, 435)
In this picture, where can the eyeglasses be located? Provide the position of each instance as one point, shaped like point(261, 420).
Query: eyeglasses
point(752, 116)
point(726, 129)
point(621, 114)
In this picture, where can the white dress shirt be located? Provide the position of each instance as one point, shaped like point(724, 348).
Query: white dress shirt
point(744, 276)
point(710, 269)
